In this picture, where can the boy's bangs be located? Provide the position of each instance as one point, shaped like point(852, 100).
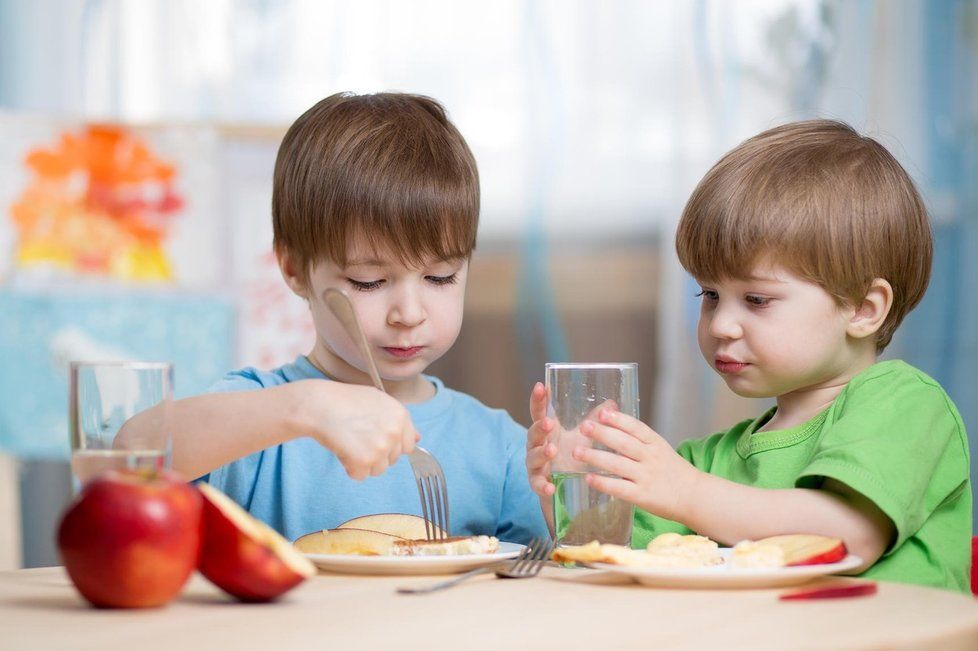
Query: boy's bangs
point(728, 232)
point(416, 225)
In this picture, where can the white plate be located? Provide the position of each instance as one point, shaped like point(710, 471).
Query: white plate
point(724, 576)
point(401, 565)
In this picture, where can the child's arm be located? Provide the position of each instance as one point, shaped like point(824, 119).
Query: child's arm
point(652, 476)
point(366, 429)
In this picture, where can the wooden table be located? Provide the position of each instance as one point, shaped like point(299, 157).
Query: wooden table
point(563, 609)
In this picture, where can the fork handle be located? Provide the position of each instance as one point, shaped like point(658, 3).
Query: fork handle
point(447, 584)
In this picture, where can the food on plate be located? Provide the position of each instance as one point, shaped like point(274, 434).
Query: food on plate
point(244, 556)
point(402, 525)
point(672, 550)
point(592, 552)
point(668, 550)
point(751, 554)
point(448, 547)
point(788, 550)
point(347, 541)
point(391, 534)
point(131, 539)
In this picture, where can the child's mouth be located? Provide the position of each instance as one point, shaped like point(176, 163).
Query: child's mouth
point(727, 366)
point(404, 353)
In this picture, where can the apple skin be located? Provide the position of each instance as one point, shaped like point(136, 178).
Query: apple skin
point(808, 549)
point(131, 539)
point(243, 556)
point(402, 525)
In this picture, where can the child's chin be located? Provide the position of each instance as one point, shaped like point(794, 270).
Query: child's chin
point(745, 391)
point(409, 370)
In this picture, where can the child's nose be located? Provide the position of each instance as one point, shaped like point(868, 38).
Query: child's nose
point(407, 309)
point(725, 325)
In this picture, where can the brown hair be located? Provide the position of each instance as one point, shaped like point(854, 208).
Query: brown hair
point(818, 199)
point(388, 167)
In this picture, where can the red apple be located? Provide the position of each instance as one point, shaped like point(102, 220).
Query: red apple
point(245, 557)
point(131, 539)
point(808, 549)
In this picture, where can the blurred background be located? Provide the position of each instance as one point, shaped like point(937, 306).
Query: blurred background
point(137, 140)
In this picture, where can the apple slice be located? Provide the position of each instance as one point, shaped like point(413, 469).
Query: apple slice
point(244, 556)
point(347, 541)
point(807, 549)
point(402, 525)
point(832, 591)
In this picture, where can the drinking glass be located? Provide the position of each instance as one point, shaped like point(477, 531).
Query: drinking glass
point(576, 392)
point(103, 396)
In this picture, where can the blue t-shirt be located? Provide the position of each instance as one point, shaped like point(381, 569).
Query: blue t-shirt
point(299, 486)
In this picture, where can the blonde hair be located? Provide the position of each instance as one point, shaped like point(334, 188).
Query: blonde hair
point(831, 206)
point(389, 168)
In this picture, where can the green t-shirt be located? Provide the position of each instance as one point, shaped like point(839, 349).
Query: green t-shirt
point(892, 435)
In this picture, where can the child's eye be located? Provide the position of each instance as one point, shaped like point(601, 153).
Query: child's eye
point(757, 301)
point(708, 295)
point(365, 285)
point(443, 280)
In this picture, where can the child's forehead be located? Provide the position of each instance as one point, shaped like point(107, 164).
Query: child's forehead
point(762, 272)
point(363, 254)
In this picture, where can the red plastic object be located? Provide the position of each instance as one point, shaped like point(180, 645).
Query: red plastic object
point(832, 591)
point(974, 569)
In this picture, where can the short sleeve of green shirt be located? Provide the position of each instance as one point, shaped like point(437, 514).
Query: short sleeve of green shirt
point(894, 436)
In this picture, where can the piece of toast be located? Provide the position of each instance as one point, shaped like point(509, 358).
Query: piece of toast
point(456, 545)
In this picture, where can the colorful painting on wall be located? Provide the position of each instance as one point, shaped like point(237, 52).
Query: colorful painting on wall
point(98, 202)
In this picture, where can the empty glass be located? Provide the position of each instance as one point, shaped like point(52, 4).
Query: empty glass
point(102, 397)
point(576, 392)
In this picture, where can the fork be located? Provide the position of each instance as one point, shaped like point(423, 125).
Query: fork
point(428, 474)
point(528, 564)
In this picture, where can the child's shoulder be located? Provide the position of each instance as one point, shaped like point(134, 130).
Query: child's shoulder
point(894, 388)
point(469, 408)
point(895, 376)
point(251, 377)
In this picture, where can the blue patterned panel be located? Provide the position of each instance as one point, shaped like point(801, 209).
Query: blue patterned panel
point(40, 332)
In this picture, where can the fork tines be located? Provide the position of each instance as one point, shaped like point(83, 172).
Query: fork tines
point(433, 492)
point(532, 559)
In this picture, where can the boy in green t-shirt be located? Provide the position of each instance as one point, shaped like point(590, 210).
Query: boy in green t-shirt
point(810, 244)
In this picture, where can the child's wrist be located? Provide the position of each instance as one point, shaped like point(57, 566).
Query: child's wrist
point(688, 489)
point(296, 421)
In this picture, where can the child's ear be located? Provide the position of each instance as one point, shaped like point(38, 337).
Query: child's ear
point(293, 276)
point(872, 311)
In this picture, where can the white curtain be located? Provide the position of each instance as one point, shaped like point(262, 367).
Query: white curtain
point(589, 120)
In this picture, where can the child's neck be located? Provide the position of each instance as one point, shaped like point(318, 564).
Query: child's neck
point(410, 390)
point(803, 404)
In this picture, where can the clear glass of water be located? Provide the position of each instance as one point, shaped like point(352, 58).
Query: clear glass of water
point(103, 397)
point(576, 392)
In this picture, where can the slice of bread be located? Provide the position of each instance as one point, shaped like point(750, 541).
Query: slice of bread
point(454, 546)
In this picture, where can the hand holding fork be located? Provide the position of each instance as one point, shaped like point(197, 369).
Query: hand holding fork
point(430, 478)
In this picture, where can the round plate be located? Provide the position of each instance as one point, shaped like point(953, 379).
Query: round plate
point(724, 576)
point(403, 565)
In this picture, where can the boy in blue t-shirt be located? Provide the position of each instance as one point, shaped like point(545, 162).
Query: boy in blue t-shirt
point(377, 195)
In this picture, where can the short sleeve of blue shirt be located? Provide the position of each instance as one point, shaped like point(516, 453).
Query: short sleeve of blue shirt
point(299, 486)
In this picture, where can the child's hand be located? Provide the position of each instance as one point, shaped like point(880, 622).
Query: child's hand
point(365, 428)
point(649, 472)
point(539, 450)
